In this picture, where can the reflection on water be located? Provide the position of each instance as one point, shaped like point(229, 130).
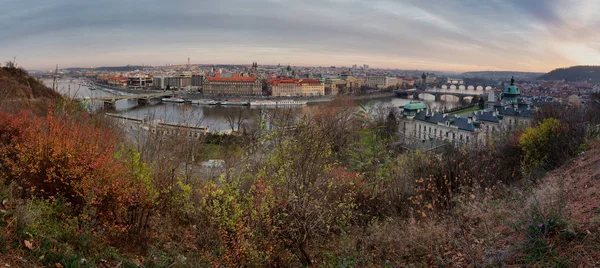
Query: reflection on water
point(218, 118)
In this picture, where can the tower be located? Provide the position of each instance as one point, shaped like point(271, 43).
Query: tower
point(424, 83)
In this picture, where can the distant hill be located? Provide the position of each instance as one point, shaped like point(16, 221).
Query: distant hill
point(574, 73)
point(128, 68)
point(501, 75)
point(15, 83)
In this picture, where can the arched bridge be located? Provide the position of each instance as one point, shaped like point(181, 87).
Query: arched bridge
point(437, 94)
point(476, 87)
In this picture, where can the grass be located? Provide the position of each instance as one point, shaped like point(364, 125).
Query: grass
point(466, 111)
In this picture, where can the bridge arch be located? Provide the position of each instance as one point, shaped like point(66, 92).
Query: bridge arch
point(471, 88)
point(453, 87)
point(461, 87)
point(488, 88)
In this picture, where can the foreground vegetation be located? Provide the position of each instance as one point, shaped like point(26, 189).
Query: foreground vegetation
point(331, 191)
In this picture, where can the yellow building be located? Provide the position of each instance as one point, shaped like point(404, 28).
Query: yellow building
point(311, 87)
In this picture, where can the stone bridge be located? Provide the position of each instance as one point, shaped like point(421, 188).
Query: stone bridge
point(437, 94)
point(467, 87)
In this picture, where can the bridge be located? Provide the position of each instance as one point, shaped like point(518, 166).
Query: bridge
point(437, 94)
point(110, 101)
point(147, 96)
point(477, 87)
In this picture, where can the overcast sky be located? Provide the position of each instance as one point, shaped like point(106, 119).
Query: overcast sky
point(456, 35)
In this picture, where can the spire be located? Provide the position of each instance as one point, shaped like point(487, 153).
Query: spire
point(512, 81)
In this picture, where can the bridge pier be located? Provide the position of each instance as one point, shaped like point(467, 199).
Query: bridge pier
point(416, 95)
point(142, 101)
point(110, 105)
point(438, 97)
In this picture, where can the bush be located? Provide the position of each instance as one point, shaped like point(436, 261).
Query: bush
point(548, 145)
point(69, 157)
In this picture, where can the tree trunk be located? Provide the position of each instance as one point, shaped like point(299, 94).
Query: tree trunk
point(303, 256)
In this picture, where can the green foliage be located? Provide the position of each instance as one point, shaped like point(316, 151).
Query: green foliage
point(537, 143)
point(55, 236)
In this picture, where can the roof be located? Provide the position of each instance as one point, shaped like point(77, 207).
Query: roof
point(414, 106)
point(228, 77)
point(461, 123)
point(512, 89)
point(487, 116)
point(276, 82)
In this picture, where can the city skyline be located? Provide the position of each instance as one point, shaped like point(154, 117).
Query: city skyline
point(449, 36)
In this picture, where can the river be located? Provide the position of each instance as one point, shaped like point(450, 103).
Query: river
point(216, 117)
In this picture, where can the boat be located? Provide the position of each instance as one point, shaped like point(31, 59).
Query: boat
point(235, 103)
point(278, 103)
point(173, 100)
point(291, 103)
point(204, 102)
point(263, 103)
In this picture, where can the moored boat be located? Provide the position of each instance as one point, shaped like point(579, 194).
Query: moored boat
point(173, 100)
point(204, 102)
point(235, 103)
point(278, 103)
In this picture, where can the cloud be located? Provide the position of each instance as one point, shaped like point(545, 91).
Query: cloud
point(409, 34)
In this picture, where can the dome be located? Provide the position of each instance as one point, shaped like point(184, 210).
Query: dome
point(415, 106)
point(512, 90)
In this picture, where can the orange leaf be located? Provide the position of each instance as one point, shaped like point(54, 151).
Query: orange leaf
point(28, 244)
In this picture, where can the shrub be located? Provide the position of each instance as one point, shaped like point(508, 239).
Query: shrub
point(69, 157)
point(544, 146)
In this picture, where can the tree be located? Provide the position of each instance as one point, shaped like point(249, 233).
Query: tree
point(391, 124)
point(475, 99)
point(168, 87)
point(481, 103)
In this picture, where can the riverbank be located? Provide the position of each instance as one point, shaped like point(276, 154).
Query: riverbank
point(189, 95)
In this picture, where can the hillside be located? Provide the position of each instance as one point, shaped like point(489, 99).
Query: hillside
point(15, 83)
point(574, 73)
point(501, 75)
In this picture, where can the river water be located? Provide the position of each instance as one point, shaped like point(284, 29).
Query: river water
point(218, 118)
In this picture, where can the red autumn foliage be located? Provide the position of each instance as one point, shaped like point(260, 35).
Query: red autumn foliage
point(66, 156)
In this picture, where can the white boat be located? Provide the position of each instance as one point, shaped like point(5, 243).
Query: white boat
point(291, 103)
point(204, 102)
point(235, 103)
point(263, 103)
point(173, 100)
point(278, 103)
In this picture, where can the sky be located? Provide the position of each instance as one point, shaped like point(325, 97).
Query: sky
point(446, 35)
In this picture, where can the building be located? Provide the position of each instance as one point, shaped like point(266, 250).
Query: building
point(139, 82)
point(117, 81)
point(285, 87)
point(178, 82)
point(376, 81)
point(158, 82)
point(197, 81)
point(293, 87)
point(381, 82)
point(231, 84)
point(312, 87)
point(419, 125)
point(514, 110)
